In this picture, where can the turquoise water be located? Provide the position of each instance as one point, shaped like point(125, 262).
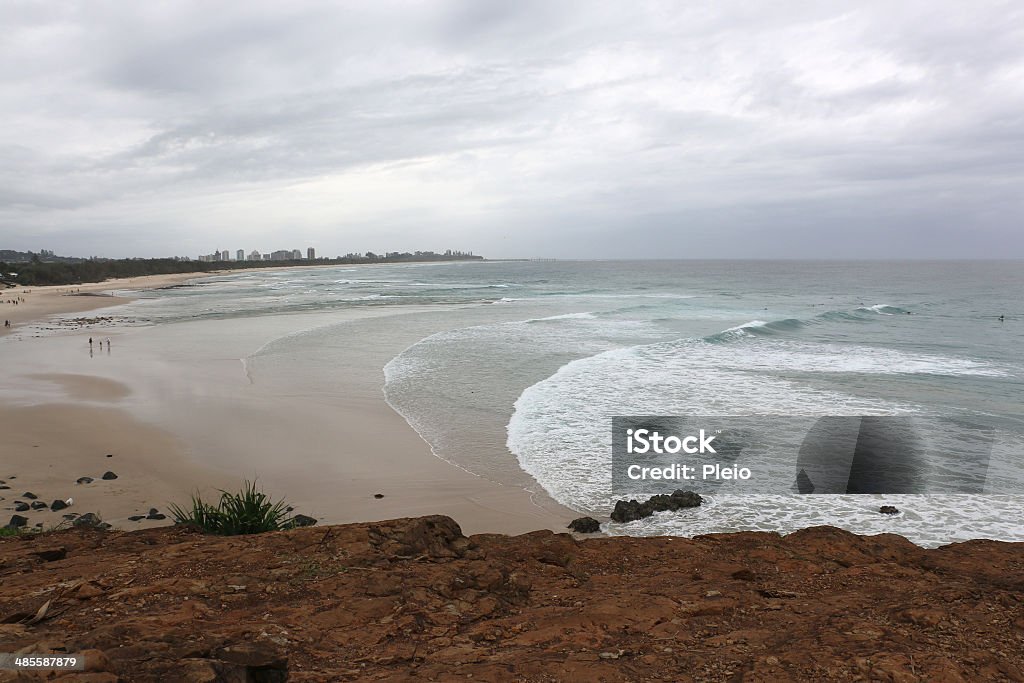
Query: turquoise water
point(521, 364)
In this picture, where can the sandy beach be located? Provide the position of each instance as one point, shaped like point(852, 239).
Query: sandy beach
point(40, 302)
point(175, 423)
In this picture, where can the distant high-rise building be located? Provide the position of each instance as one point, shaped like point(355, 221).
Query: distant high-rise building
point(311, 253)
point(240, 255)
point(296, 254)
point(255, 255)
point(225, 255)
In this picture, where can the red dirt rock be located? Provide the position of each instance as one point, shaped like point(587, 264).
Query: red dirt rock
point(412, 599)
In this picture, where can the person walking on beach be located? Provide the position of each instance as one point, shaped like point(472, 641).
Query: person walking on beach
point(90, 342)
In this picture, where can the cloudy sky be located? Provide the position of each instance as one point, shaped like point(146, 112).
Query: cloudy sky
point(514, 128)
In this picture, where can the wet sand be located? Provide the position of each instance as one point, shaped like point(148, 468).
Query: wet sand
point(181, 422)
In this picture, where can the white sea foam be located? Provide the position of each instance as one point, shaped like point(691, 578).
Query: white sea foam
point(560, 429)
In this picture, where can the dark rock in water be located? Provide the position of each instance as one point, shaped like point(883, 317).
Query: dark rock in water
point(108, 475)
point(889, 510)
point(631, 510)
point(136, 518)
point(89, 519)
point(84, 480)
point(17, 521)
point(378, 496)
point(4, 488)
point(58, 505)
point(153, 511)
point(110, 455)
point(20, 506)
point(70, 515)
point(585, 525)
point(303, 520)
point(52, 554)
point(38, 505)
point(29, 495)
point(156, 515)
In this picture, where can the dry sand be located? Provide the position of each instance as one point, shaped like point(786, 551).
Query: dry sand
point(213, 432)
point(40, 302)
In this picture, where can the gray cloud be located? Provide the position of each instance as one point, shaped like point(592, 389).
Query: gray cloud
point(515, 129)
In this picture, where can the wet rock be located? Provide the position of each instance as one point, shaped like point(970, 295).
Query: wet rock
point(303, 520)
point(378, 496)
point(70, 515)
point(157, 515)
point(153, 511)
point(136, 518)
point(89, 519)
point(38, 505)
point(585, 525)
point(84, 480)
point(17, 521)
point(108, 475)
point(58, 505)
point(889, 510)
point(29, 495)
point(631, 510)
point(20, 506)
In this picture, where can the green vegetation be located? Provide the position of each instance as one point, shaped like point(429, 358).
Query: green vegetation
point(250, 511)
point(67, 271)
point(9, 531)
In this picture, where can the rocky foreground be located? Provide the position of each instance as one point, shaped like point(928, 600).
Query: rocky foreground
point(413, 599)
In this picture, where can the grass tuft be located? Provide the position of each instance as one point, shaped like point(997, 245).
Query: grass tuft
point(250, 511)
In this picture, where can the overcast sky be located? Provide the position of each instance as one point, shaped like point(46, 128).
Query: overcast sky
point(514, 128)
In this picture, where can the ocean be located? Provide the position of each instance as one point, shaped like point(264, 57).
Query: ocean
point(535, 357)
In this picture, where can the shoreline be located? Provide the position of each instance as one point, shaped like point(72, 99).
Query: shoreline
point(215, 429)
point(43, 302)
